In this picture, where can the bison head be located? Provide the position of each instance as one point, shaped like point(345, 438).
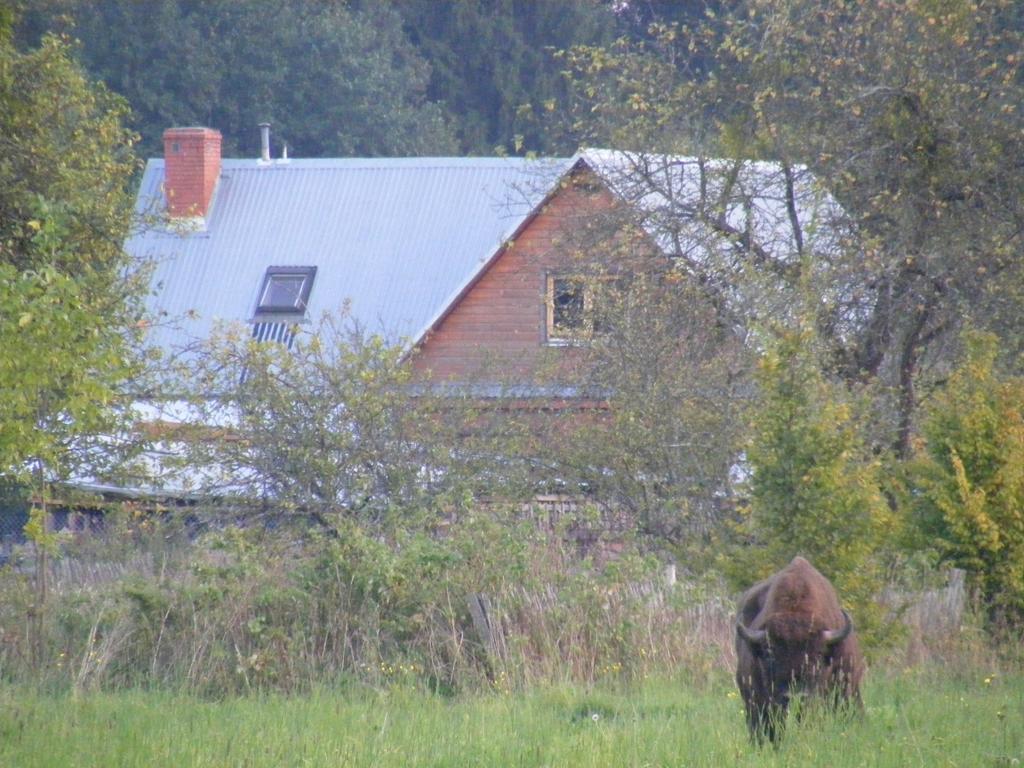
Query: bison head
point(789, 656)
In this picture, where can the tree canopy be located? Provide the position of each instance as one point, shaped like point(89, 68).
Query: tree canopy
point(333, 81)
point(907, 115)
point(68, 295)
point(492, 66)
point(406, 78)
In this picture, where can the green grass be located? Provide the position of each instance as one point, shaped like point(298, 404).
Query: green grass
point(911, 720)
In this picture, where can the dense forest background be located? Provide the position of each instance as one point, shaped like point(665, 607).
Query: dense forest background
point(347, 78)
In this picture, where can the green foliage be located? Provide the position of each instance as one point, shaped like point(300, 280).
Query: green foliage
point(814, 491)
point(60, 366)
point(630, 96)
point(68, 296)
point(37, 532)
point(492, 65)
point(670, 374)
point(332, 81)
point(968, 477)
point(355, 78)
point(251, 608)
point(332, 428)
point(905, 114)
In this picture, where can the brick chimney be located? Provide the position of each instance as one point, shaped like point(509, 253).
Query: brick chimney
point(191, 169)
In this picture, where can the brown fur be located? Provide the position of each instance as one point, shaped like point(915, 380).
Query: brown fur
point(794, 607)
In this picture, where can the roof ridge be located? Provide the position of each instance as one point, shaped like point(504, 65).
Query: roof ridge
point(384, 162)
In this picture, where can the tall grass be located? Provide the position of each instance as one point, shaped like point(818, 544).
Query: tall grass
point(494, 605)
point(915, 719)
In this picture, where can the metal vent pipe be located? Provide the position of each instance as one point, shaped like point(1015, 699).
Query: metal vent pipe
point(265, 142)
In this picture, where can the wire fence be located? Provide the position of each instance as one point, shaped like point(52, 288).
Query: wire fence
point(14, 516)
point(12, 523)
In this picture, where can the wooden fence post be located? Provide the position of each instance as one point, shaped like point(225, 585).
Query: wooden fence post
point(487, 629)
point(670, 575)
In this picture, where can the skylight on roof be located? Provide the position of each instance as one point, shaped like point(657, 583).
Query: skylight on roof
point(286, 290)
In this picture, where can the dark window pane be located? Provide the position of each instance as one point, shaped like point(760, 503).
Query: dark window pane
point(567, 304)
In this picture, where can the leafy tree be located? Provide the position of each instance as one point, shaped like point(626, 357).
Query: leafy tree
point(907, 115)
point(331, 80)
point(492, 65)
point(668, 371)
point(68, 294)
point(814, 491)
point(645, 16)
point(332, 428)
point(968, 477)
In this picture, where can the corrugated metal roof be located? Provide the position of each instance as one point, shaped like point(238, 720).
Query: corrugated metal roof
point(396, 239)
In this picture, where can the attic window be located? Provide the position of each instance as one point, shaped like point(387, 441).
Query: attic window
point(574, 311)
point(566, 305)
point(286, 290)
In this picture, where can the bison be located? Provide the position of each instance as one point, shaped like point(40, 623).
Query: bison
point(791, 638)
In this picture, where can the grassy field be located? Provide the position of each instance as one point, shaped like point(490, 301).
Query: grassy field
point(911, 720)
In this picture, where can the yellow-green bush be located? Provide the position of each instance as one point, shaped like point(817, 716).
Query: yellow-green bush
point(967, 480)
point(813, 489)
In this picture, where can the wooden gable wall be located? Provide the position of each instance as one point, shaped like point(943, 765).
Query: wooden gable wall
point(497, 330)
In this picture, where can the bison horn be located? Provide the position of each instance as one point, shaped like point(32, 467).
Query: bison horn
point(752, 636)
point(833, 636)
